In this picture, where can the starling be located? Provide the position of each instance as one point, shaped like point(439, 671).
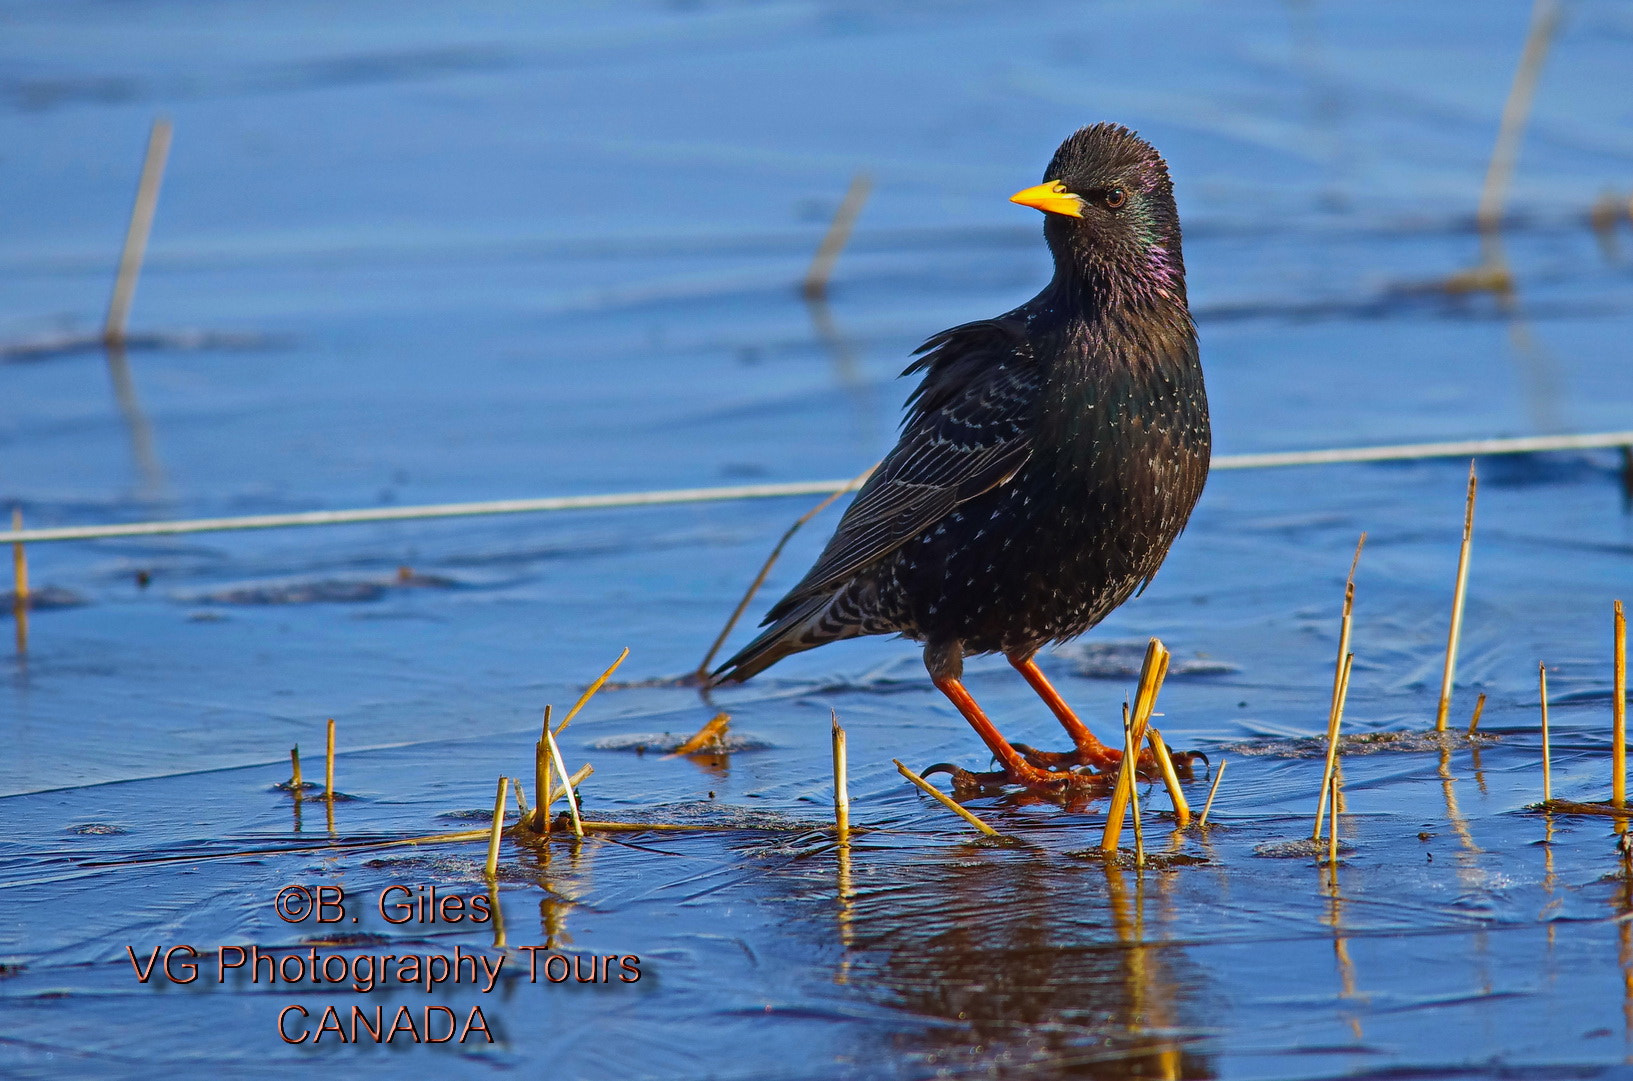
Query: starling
point(1048, 459)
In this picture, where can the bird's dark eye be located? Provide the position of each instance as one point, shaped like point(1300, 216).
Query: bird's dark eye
point(1116, 197)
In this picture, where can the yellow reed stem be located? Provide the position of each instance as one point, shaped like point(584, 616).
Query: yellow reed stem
point(1448, 677)
point(589, 692)
point(1334, 727)
point(542, 795)
point(1170, 776)
point(1332, 823)
point(497, 828)
point(941, 798)
point(329, 762)
point(1130, 752)
point(1618, 706)
point(1152, 672)
point(1213, 790)
point(1344, 624)
point(1547, 758)
point(842, 797)
point(566, 782)
point(19, 577)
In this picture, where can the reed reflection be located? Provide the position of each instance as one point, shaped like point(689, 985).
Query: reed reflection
point(1041, 965)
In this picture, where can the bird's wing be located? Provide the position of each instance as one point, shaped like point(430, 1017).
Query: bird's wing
point(968, 431)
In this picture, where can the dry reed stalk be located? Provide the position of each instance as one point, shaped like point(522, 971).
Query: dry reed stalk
point(329, 763)
point(539, 819)
point(428, 839)
point(1152, 672)
point(1170, 776)
point(702, 673)
point(1334, 726)
point(833, 242)
point(704, 736)
point(1618, 706)
point(1547, 758)
point(1479, 708)
point(936, 794)
point(1344, 625)
point(19, 579)
point(492, 868)
point(141, 224)
point(19, 560)
point(842, 795)
point(566, 781)
point(295, 783)
point(1544, 20)
point(1130, 752)
point(589, 692)
point(1213, 790)
point(591, 826)
point(541, 778)
point(1449, 677)
point(1332, 824)
point(521, 801)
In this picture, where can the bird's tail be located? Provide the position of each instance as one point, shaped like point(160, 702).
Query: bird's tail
point(809, 625)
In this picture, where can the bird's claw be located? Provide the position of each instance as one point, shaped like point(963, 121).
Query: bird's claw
point(1054, 785)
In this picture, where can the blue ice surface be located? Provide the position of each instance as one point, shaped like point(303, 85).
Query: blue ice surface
point(495, 251)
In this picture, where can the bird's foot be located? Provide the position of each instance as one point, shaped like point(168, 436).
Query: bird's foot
point(1108, 760)
point(1054, 785)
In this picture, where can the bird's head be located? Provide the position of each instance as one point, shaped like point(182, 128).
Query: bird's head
point(1109, 213)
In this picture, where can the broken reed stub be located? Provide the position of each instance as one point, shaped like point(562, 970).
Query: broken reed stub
point(1332, 822)
point(329, 762)
point(1547, 758)
point(541, 778)
point(19, 562)
point(842, 796)
point(492, 868)
point(1618, 706)
point(19, 579)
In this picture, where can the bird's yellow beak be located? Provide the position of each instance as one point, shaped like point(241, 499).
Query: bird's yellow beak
point(1051, 197)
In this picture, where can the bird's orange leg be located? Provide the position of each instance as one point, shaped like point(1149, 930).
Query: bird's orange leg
point(1089, 750)
point(1016, 769)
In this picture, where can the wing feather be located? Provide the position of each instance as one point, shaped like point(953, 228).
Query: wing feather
point(969, 430)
